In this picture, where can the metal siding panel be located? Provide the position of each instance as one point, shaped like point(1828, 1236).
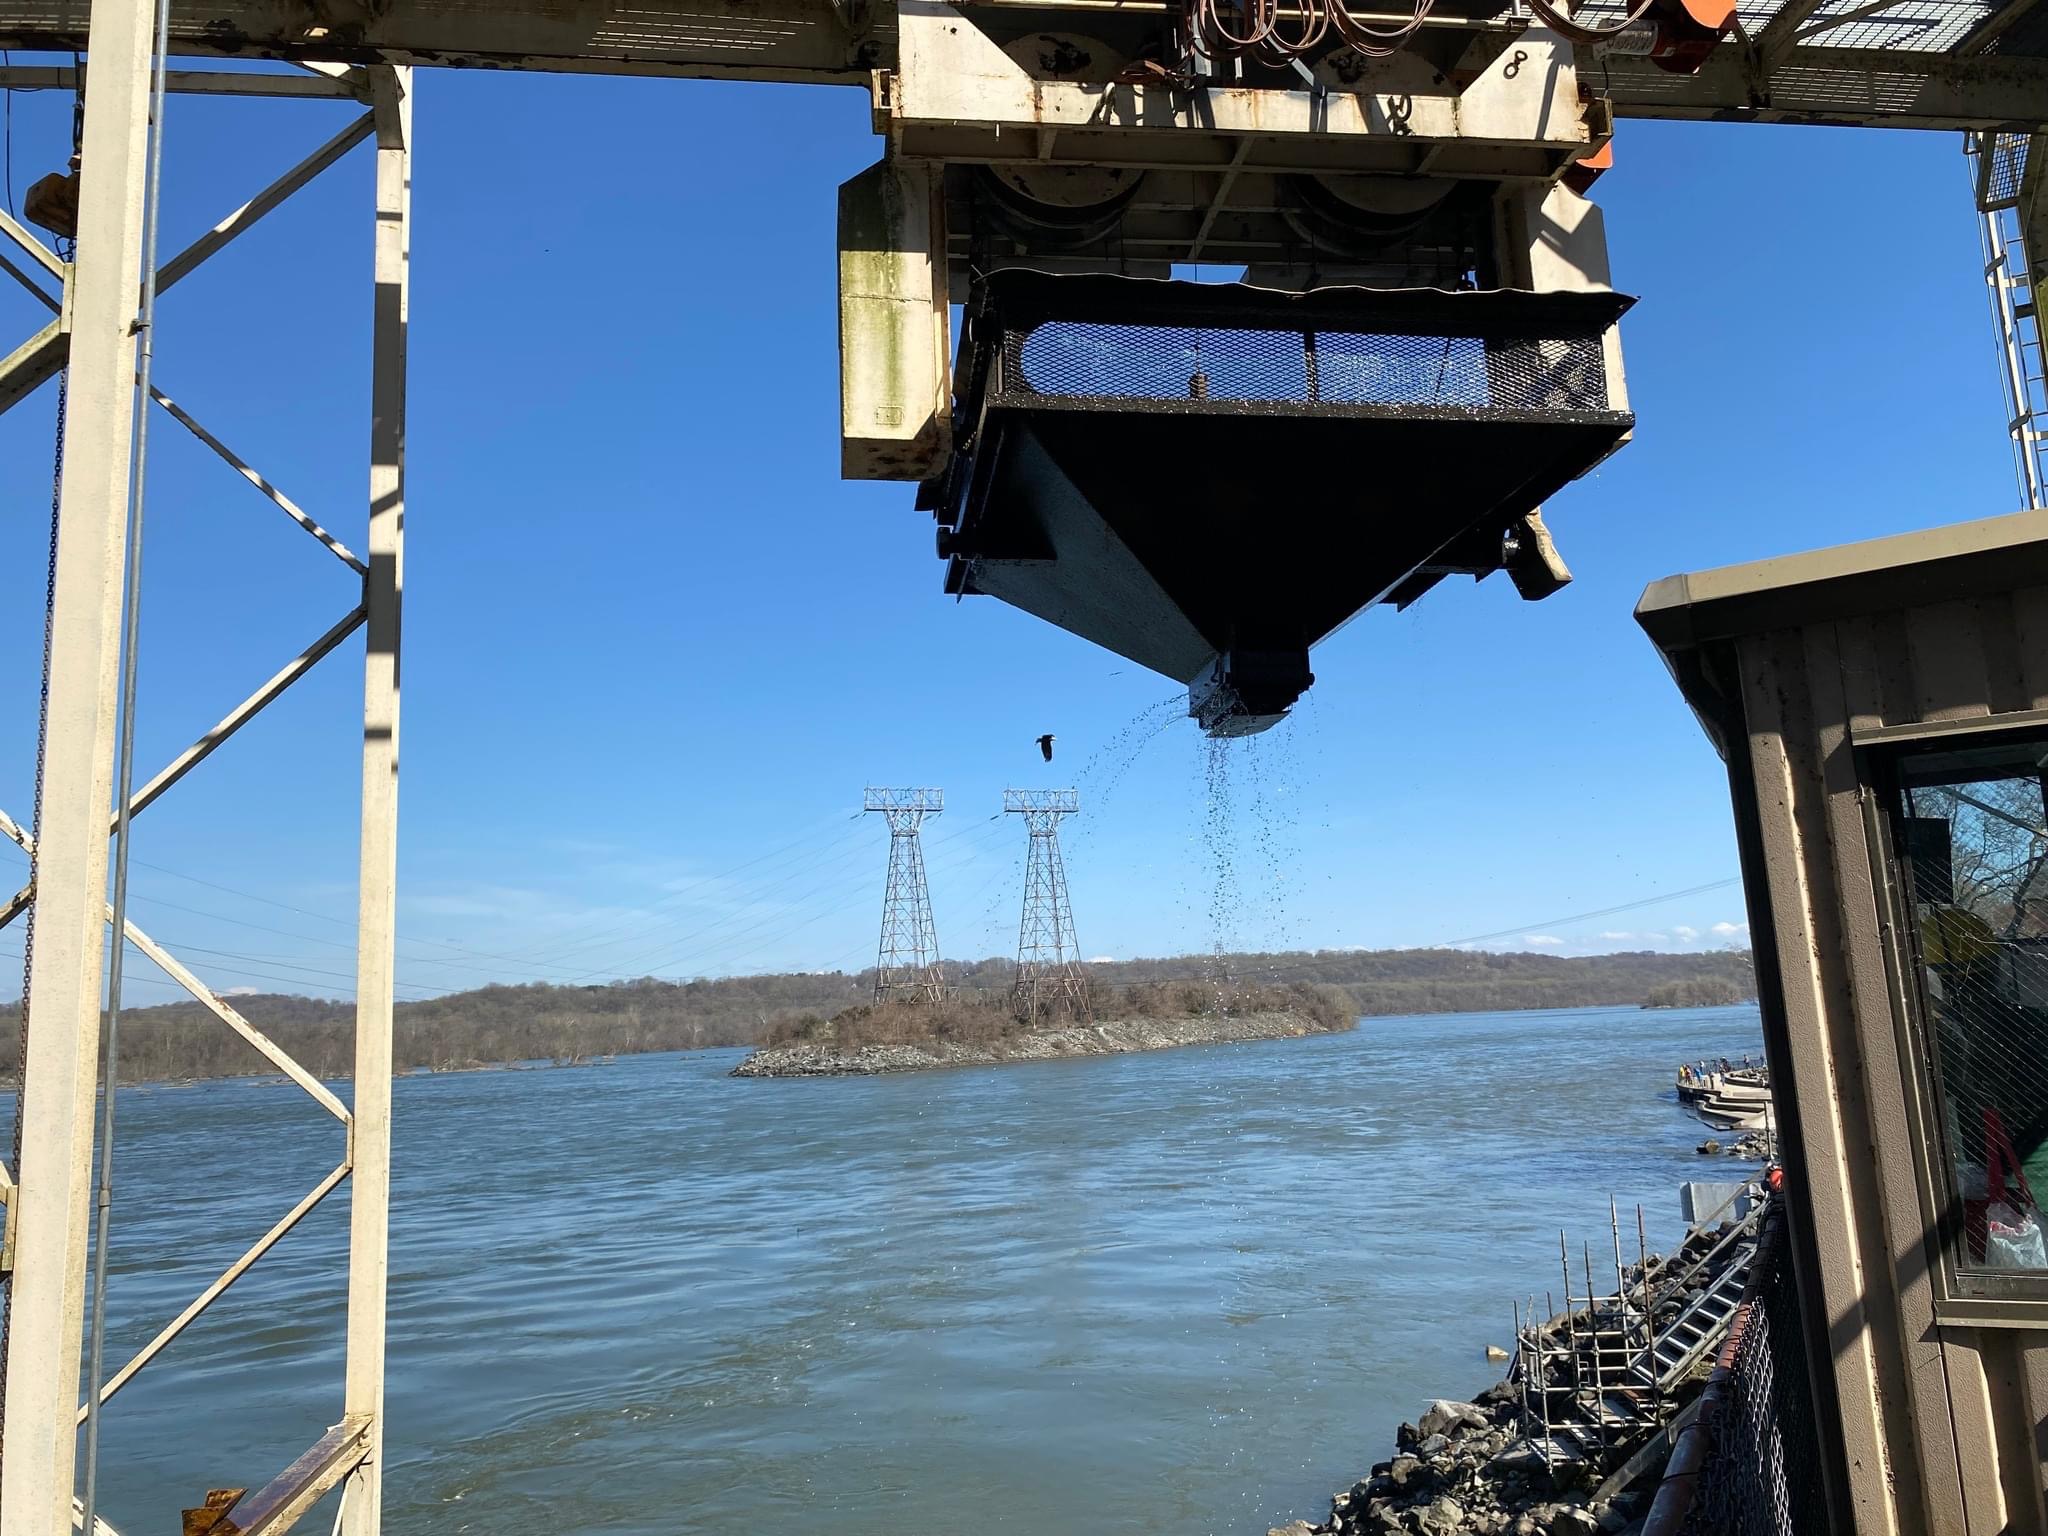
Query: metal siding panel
point(1947, 655)
point(1901, 699)
point(1952, 1405)
point(2013, 1428)
point(2030, 620)
point(1998, 630)
point(1885, 1196)
point(1771, 669)
point(2031, 1358)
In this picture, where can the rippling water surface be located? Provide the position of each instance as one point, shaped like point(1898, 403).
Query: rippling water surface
point(1191, 1291)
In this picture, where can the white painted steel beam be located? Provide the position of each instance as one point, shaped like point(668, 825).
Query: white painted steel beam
point(33, 364)
point(42, 295)
point(792, 40)
point(45, 77)
point(376, 955)
point(21, 236)
point(895, 357)
point(1781, 33)
point(245, 711)
point(269, 1049)
point(39, 359)
point(1851, 87)
point(266, 1047)
point(825, 42)
point(246, 217)
point(241, 467)
point(213, 1292)
point(957, 96)
point(60, 1065)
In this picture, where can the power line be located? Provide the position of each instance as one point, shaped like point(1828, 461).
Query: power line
point(1325, 957)
point(980, 835)
point(844, 880)
point(1581, 917)
point(684, 891)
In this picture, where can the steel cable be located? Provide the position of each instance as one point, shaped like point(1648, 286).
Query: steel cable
point(145, 330)
point(1214, 36)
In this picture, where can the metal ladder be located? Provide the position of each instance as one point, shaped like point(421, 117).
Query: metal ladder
point(1696, 1333)
point(2010, 170)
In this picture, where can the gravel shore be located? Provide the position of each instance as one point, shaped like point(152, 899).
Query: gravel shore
point(1109, 1037)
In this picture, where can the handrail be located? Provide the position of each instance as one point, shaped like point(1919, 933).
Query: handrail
point(1743, 1228)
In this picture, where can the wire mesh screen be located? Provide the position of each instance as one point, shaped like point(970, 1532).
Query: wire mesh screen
point(1763, 1476)
point(1523, 374)
point(1972, 831)
point(2001, 166)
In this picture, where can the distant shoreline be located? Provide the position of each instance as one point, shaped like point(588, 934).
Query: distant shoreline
point(332, 1063)
point(1111, 1037)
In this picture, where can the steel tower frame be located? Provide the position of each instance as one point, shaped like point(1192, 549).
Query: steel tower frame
point(1049, 974)
point(93, 331)
point(2010, 170)
point(907, 961)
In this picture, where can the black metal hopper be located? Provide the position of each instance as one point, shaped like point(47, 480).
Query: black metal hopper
point(1208, 479)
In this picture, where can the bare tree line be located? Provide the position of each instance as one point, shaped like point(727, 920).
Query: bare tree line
point(540, 1021)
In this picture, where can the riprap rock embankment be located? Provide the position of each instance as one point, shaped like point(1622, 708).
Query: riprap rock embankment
point(1108, 1038)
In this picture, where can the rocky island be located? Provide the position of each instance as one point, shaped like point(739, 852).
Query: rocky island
point(975, 1031)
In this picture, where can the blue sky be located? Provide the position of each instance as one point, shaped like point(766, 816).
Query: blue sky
point(655, 647)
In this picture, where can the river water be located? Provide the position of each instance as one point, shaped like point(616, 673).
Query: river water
point(1189, 1291)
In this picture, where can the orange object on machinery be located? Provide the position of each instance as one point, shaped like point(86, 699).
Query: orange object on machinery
point(1687, 31)
point(1587, 169)
point(1675, 35)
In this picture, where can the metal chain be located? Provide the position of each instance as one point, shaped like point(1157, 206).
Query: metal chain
point(28, 933)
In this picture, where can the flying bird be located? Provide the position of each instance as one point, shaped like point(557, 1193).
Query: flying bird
point(1045, 745)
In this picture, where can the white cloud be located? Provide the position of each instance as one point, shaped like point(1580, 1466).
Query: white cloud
point(1102, 960)
point(1542, 941)
point(1616, 936)
point(1686, 935)
point(241, 992)
point(1725, 930)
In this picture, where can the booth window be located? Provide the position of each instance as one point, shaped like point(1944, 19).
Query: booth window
point(1970, 833)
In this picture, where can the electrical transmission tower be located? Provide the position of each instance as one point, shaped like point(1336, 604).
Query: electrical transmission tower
point(908, 963)
point(1048, 955)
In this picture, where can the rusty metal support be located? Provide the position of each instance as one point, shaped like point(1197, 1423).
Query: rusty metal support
point(276, 1507)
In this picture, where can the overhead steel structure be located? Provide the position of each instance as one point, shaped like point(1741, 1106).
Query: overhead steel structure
point(1954, 64)
point(1447, 146)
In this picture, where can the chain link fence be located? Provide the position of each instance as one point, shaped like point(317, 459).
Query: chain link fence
point(1750, 1464)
